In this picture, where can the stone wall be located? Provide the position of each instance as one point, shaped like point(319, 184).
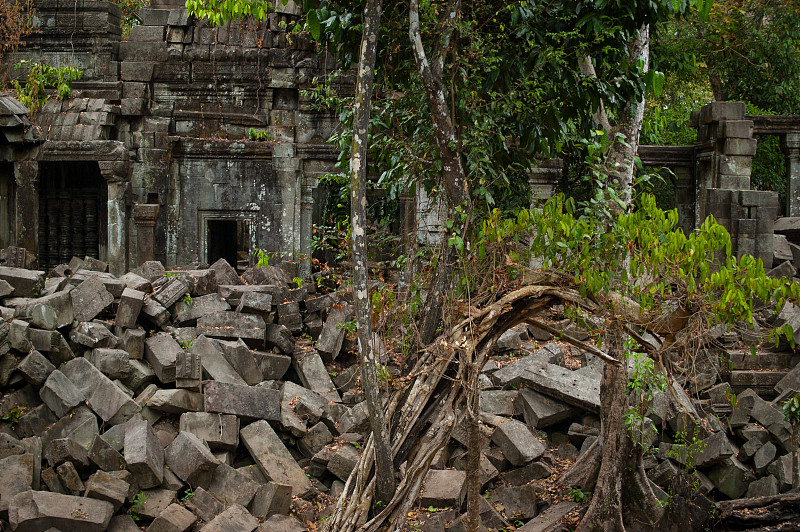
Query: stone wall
point(174, 104)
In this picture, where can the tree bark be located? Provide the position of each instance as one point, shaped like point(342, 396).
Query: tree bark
point(621, 482)
point(454, 181)
point(385, 481)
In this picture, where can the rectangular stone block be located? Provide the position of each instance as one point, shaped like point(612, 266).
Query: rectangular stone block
point(188, 371)
point(735, 146)
point(741, 129)
point(143, 33)
point(214, 363)
point(167, 293)
point(26, 283)
point(144, 455)
point(103, 396)
point(249, 402)
point(219, 431)
point(161, 352)
point(141, 71)
point(231, 325)
point(273, 459)
point(313, 374)
point(735, 164)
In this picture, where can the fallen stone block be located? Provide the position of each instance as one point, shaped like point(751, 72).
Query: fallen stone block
point(284, 523)
point(130, 305)
point(34, 511)
point(273, 365)
point(248, 402)
point(731, 477)
point(70, 480)
point(16, 476)
point(343, 461)
point(66, 450)
point(174, 518)
point(763, 487)
point(511, 373)
point(497, 402)
point(113, 363)
point(187, 311)
point(444, 488)
point(214, 362)
point(155, 313)
point(255, 303)
point(273, 459)
point(204, 505)
point(233, 487)
point(219, 431)
point(518, 502)
point(231, 325)
point(234, 518)
point(517, 443)
point(314, 440)
point(103, 396)
point(154, 501)
point(550, 519)
point(279, 336)
point(80, 426)
point(89, 299)
point(104, 456)
point(168, 290)
point(26, 283)
point(52, 343)
point(313, 374)
point(35, 368)
point(225, 274)
point(161, 352)
point(241, 359)
point(271, 499)
point(137, 282)
point(52, 311)
point(144, 455)
point(133, 343)
point(176, 401)
point(106, 487)
point(140, 375)
point(354, 420)
point(190, 460)
point(573, 387)
point(92, 334)
point(330, 339)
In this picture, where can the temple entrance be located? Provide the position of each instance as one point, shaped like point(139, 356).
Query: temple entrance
point(72, 212)
point(6, 205)
point(228, 239)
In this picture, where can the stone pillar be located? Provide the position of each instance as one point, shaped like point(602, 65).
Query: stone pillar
point(543, 180)
point(790, 144)
point(117, 227)
point(306, 224)
point(145, 216)
point(26, 175)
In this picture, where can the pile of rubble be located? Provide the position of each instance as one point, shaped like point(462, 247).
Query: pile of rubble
point(199, 399)
point(178, 399)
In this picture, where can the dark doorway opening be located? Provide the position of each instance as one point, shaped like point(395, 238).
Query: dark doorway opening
point(72, 212)
point(7, 190)
point(222, 241)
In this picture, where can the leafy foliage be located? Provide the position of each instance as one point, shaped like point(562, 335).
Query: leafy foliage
point(219, 12)
point(42, 76)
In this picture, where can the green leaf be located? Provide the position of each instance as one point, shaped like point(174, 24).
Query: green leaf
point(313, 24)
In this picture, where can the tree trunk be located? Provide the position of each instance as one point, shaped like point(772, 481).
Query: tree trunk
point(385, 485)
point(795, 456)
point(622, 482)
point(454, 179)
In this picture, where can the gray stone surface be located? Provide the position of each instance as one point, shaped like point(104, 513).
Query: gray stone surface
point(330, 339)
point(174, 518)
point(241, 359)
point(285, 523)
point(186, 312)
point(104, 456)
point(34, 511)
point(273, 365)
point(89, 299)
point(16, 476)
point(234, 518)
point(190, 460)
point(219, 431)
point(229, 485)
point(176, 401)
point(130, 305)
point(233, 325)
point(273, 458)
point(161, 352)
point(81, 426)
point(144, 455)
point(272, 498)
point(313, 375)
point(113, 363)
point(247, 402)
point(204, 505)
point(731, 477)
point(541, 411)
point(213, 361)
point(517, 443)
point(763, 487)
point(343, 461)
point(26, 283)
point(107, 487)
point(103, 396)
point(35, 368)
point(444, 488)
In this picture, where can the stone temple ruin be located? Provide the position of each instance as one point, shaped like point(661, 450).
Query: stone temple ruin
point(150, 158)
point(207, 379)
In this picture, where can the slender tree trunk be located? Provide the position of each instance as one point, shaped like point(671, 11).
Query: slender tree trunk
point(385, 481)
point(795, 456)
point(623, 496)
point(454, 179)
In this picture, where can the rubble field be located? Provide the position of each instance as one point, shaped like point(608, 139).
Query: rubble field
point(198, 399)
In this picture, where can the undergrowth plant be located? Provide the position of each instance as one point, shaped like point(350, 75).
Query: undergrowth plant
point(41, 77)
